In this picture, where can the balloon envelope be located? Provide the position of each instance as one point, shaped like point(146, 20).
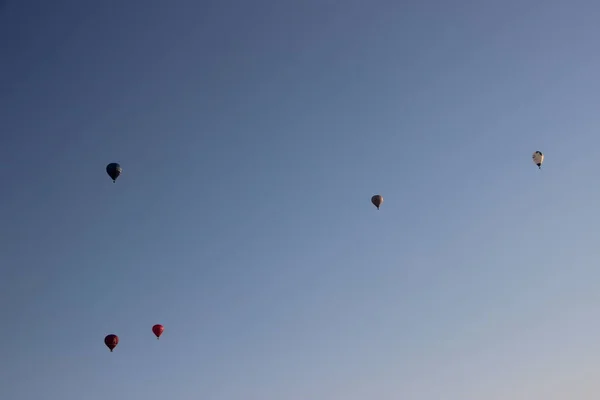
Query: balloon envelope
point(158, 330)
point(114, 170)
point(377, 200)
point(538, 158)
point(111, 341)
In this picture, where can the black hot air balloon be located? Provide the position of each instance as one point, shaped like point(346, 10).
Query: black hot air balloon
point(377, 200)
point(114, 170)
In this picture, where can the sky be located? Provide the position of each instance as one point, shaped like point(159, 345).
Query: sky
point(252, 136)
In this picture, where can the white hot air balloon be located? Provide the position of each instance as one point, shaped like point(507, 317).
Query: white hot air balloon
point(538, 158)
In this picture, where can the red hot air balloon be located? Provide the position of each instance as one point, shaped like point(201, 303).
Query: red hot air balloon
point(158, 330)
point(111, 341)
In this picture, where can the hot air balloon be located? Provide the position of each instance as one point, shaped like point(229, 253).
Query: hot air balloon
point(111, 341)
point(377, 200)
point(538, 159)
point(114, 170)
point(158, 330)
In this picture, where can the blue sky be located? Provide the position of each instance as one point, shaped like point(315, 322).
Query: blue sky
point(252, 136)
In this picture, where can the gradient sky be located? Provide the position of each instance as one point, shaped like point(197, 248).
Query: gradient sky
point(252, 135)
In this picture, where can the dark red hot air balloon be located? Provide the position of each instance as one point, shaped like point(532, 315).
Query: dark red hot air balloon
point(158, 330)
point(111, 341)
point(377, 200)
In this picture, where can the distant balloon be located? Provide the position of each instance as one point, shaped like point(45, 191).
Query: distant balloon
point(377, 200)
point(111, 341)
point(114, 170)
point(158, 330)
point(538, 159)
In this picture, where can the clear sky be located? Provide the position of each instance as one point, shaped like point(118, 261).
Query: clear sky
point(252, 135)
